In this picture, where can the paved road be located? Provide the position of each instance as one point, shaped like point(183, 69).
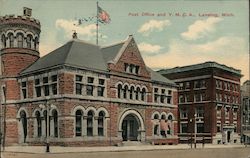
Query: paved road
point(186, 153)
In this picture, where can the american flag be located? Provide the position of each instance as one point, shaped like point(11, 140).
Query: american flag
point(103, 16)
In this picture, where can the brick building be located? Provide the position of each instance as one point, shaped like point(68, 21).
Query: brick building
point(80, 94)
point(209, 102)
point(245, 101)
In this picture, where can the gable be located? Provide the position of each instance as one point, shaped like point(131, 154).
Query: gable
point(129, 58)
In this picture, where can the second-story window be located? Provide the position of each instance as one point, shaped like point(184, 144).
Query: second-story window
point(101, 87)
point(24, 89)
point(46, 86)
point(79, 84)
point(90, 86)
point(54, 84)
point(156, 95)
point(162, 95)
point(38, 87)
point(199, 112)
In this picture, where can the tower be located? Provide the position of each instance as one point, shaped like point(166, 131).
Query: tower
point(19, 47)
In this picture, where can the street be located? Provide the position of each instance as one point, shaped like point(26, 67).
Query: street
point(184, 153)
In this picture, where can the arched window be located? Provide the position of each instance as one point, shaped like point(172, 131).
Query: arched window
point(131, 93)
point(3, 41)
point(125, 92)
point(156, 129)
point(101, 117)
point(36, 43)
point(156, 116)
point(23, 120)
point(28, 40)
point(39, 124)
point(78, 130)
point(119, 90)
point(169, 123)
point(11, 40)
point(143, 94)
point(55, 122)
point(137, 93)
point(46, 119)
point(90, 118)
point(20, 40)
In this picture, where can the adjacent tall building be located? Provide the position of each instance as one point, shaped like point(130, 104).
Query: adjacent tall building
point(245, 96)
point(209, 102)
point(80, 94)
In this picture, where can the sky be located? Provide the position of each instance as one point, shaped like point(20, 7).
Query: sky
point(168, 33)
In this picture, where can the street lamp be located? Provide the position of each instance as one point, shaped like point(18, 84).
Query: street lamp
point(47, 106)
point(195, 130)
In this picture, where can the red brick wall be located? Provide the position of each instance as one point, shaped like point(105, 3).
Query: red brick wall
point(66, 83)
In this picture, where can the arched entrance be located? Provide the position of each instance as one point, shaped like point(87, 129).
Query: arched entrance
point(131, 126)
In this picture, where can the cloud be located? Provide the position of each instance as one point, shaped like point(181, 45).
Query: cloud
point(231, 51)
point(68, 26)
point(153, 25)
point(148, 48)
point(201, 28)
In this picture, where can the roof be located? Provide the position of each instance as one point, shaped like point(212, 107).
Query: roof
point(209, 64)
point(155, 76)
point(74, 53)
point(81, 54)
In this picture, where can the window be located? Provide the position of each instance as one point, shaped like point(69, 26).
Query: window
point(24, 89)
point(183, 114)
point(199, 112)
point(101, 87)
point(162, 96)
point(36, 44)
point(90, 86)
point(90, 118)
point(131, 92)
point(101, 118)
point(235, 114)
point(131, 68)
point(137, 68)
point(11, 40)
point(181, 87)
point(137, 93)
point(37, 87)
point(181, 98)
point(188, 98)
point(184, 127)
point(125, 90)
point(170, 119)
point(143, 94)
point(39, 124)
point(24, 123)
point(126, 67)
point(28, 40)
point(46, 119)
point(200, 84)
point(46, 86)
point(187, 85)
point(227, 112)
point(200, 127)
point(4, 41)
point(218, 112)
point(156, 129)
point(55, 121)
point(78, 120)
point(218, 127)
point(20, 40)
point(155, 95)
point(119, 89)
point(54, 84)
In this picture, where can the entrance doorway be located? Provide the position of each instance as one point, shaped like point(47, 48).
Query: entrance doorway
point(130, 127)
point(228, 136)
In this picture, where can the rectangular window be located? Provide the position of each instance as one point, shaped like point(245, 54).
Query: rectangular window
point(90, 86)
point(200, 127)
point(155, 95)
point(38, 87)
point(184, 128)
point(54, 84)
point(45, 80)
point(24, 89)
point(137, 68)
point(199, 112)
point(187, 85)
point(79, 84)
point(218, 127)
point(101, 87)
point(162, 99)
point(183, 114)
point(218, 112)
point(46, 90)
point(181, 99)
point(169, 98)
point(197, 97)
point(181, 87)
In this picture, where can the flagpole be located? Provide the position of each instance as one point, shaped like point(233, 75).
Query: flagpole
point(97, 23)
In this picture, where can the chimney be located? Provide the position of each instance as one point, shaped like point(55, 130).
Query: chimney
point(27, 11)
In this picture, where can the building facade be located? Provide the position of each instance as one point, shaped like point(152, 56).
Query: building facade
point(245, 96)
point(80, 94)
point(209, 102)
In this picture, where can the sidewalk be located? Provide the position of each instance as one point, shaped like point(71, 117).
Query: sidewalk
point(58, 149)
